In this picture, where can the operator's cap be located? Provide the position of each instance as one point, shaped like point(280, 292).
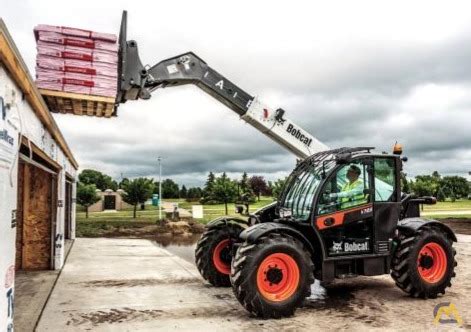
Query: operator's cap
point(354, 168)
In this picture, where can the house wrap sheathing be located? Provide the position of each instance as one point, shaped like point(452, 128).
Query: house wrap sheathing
point(37, 180)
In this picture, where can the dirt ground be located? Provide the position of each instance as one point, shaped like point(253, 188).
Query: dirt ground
point(458, 225)
point(136, 285)
point(185, 228)
point(139, 229)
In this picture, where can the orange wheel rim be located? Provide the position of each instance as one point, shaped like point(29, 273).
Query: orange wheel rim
point(221, 256)
point(278, 277)
point(432, 262)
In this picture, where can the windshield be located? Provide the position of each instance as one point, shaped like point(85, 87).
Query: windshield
point(300, 191)
point(303, 182)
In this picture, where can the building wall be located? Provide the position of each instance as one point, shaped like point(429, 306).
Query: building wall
point(20, 118)
point(99, 206)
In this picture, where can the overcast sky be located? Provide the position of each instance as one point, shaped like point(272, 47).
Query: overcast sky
point(350, 72)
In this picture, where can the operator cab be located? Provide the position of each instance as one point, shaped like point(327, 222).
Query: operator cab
point(350, 198)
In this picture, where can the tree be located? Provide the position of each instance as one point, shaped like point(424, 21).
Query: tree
point(427, 185)
point(86, 196)
point(183, 192)
point(245, 191)
point(208, 190)
point(100, 180)
point(225, 190)
point(170, 189)
point(138, 191)
point(277, 187)
point(244, 184)
point(194, 194)
point(455, 186)
point(258, 185)
point(123, 183)
point(405, 185)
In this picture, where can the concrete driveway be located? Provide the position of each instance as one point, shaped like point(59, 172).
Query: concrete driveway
point(133, 285)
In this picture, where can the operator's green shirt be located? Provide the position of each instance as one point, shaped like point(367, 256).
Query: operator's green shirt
point(352, 194)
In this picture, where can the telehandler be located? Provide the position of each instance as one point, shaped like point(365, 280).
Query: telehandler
point(341, 213)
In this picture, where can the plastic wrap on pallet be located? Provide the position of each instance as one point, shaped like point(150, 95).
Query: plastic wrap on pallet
point(44, 75)
point(74, 32)
point(77, 61)
point(76, 53)
point(58, 38)
point(77, 66)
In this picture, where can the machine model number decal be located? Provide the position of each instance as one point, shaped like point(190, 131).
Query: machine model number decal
point(366, 210)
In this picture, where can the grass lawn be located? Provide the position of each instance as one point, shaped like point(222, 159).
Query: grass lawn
point(213, 211)
point(461, 204)
point(106, 220)
point(151, 214)
point(441, 210)
point(448, 216)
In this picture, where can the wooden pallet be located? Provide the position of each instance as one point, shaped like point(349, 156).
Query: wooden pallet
point(79, 104)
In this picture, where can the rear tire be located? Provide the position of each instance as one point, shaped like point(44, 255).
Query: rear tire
point(213, 254)
point(423, 264)
point(271, 278)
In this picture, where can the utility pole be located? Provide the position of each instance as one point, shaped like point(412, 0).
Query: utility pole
point(160, 187)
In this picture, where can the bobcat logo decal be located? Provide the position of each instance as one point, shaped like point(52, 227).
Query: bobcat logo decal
point(337, 246)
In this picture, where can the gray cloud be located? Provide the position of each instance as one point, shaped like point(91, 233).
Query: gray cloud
point(369, 74)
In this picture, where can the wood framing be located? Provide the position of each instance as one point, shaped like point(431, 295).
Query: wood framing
point(78, 104)
point(40, 153)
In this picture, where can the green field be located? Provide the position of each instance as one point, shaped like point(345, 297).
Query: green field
point(441, 210)
point(213, 211)
point(462, 204)
point(151, 214)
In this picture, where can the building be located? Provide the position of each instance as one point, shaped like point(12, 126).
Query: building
point(37, 179)
point(109, 200)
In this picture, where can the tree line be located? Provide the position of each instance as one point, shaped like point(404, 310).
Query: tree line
point(446, 187)
point(246, 190)
point(217, 189)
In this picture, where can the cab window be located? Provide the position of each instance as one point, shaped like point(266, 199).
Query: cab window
point(385, 180)
point(346, 188)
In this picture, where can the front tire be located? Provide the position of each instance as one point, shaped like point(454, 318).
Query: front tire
point(271, 278)
point(423, 264)
point(213, 254)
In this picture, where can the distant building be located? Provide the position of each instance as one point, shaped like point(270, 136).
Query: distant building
point(109, 200)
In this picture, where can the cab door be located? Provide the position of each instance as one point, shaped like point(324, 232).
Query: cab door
point(386, 203)
point(344, 216)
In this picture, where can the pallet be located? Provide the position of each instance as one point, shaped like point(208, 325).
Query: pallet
point(79, 104)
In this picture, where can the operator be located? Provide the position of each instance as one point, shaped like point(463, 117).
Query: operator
point(352, 191)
